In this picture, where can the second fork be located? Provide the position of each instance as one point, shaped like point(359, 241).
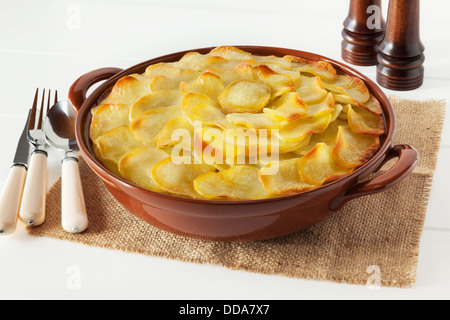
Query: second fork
point(32, 209)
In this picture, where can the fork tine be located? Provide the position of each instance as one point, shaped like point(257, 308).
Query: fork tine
point(32, 119)
point(48, 101)
point(56, 96)
point(39, 125)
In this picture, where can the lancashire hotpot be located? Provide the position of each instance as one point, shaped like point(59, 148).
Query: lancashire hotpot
point(239, 220)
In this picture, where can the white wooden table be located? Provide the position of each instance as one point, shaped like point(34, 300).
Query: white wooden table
point(49, 44)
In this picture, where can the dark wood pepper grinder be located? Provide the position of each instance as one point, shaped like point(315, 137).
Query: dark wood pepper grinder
point(401, 58)
point(363, 32)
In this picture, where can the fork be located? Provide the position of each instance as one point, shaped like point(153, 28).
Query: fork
point(32, 209)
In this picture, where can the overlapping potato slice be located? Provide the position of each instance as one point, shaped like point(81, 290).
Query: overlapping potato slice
point(245, 96)
point(242, 72)
point(115, 143)
point(352, 150)
point(200, 107)
point(108, 116)
point(256, 120)
point(230, 52)
point(310, 89)
point(127, 90)
point(176, 130)
point(286, 180)
point(168, 70)
point(147, 126)
point(322, 69)
point(298, 129)
point(325, 106)
point(161, 82)
point(278, 83)
point(191, 60)
point(351, 86)
point(207, 83)
point(237, 183)
point(318, 166)
point(288, 107)
point(161, 98)
point(136, 164)
point(178, 178)
point(363, 122)
point(372, 105)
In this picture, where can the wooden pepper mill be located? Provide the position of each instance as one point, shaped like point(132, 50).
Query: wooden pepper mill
point(363, 32)
point(401, 55)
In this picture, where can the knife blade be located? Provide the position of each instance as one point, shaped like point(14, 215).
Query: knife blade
point(11, 196)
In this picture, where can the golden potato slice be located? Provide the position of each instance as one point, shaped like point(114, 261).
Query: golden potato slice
point(191, 60)
point(372, 105)
point(200, 107)
point(115, 143)
point(147, 126)
point(318, 166)
point(173, 132)
point(207, 83)
point(127, 90)
point(255, 120)
point(161, 98)
point(229, 52)
point(288, 107)
point(108, 116)
point(279, 84)
point(162, 69)
point(351, 86)
point(237, 183)
point(325, 106)
point(161, 82)
point(363, 122)
point(135, 166)
point(298, 129)
point(286, 180)
point(244, 96)
point(241, 72)
point(310, 89)
point(322, 69)
point(178, 178)
point(352, 150)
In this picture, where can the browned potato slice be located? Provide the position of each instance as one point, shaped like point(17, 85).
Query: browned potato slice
point(352, 150)
point(178, 178)
point(115, 143)
point(318, 166)
point(147, 126)
point(108, 116)
point(286, 180)
point(135, 166)
point(200, 107)
point(298, 129)
point(322, 69)
point(245, 96)
point(162, 98)
point(127, 91)
point(229, 52)
point(288, 107)
point(279, 84)
point(372, 105)
point(325, 106)
point(173, 131)
point(363, 122)
point(351, 86)
point(242, 72)
point(191, 60)
point(162, 69)
point(237, 183)
point(161, 82)
point(310, 89)
point(207, 83)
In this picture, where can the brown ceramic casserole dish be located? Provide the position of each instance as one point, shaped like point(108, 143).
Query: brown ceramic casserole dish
point(240, 220)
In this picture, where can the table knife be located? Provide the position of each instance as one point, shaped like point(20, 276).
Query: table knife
point(11, 196)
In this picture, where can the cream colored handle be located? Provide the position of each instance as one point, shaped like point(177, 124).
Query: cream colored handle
point(74, 215)
point(32, 210)
point(10, 199)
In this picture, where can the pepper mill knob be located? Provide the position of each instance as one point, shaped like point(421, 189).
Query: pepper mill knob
point(363, 32)
point(401, 58)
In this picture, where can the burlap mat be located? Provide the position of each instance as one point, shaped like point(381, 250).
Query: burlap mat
point(377, 235)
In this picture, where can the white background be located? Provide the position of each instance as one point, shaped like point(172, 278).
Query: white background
point(49, 44)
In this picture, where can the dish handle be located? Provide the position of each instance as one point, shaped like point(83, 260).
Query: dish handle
point(407, 161)
point(78, 90)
